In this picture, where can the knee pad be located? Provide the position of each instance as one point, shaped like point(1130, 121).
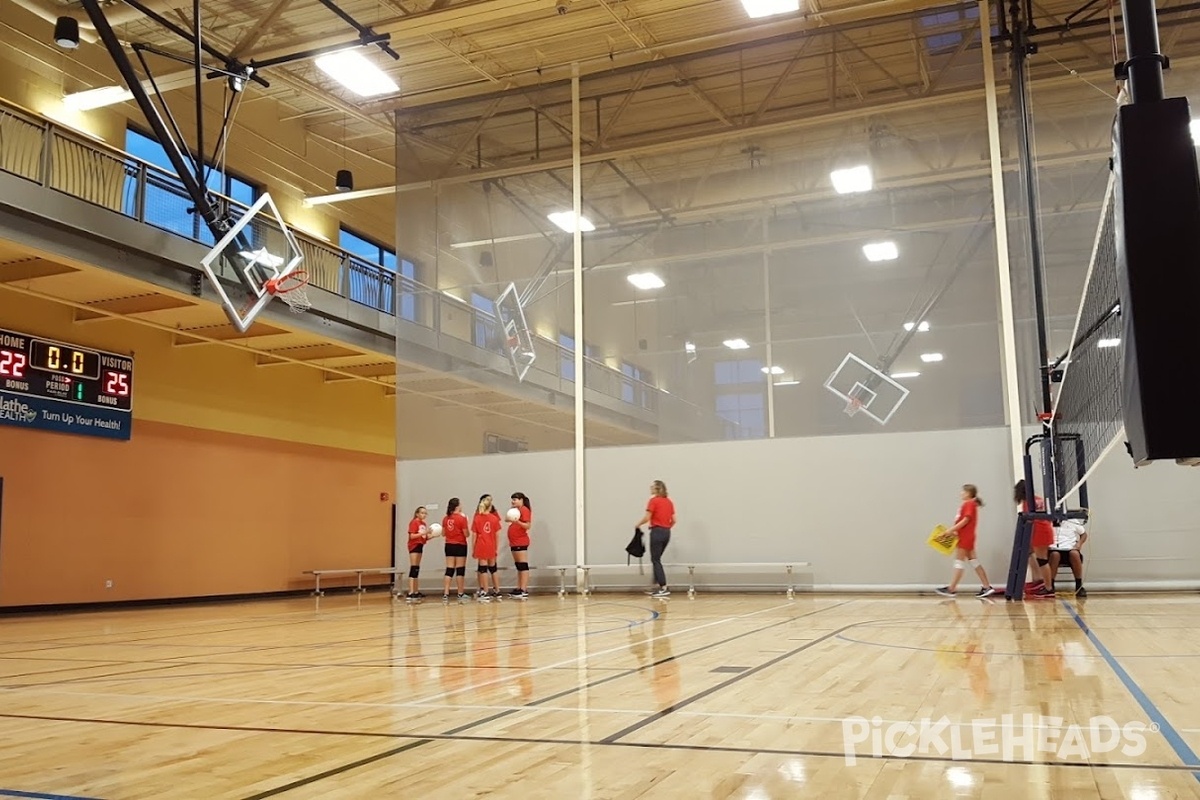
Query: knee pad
point(483, 569)
point(492, 569)
point(1043, 562)
point(958, 564)
point(460, 571)
point(974, 562)
point(414, 572)
point(522, 566)
point(449, 572)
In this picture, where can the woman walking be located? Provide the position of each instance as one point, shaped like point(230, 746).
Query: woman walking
point(660, 515)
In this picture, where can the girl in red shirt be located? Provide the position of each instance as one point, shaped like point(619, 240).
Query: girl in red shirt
point(1040, 543)
point(660, 515)
point(454, 528)
point(965, 524)
point(518, 541)
point(418, 534)
point(485, 526)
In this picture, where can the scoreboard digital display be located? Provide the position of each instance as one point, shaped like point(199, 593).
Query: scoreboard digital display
point(58, 386)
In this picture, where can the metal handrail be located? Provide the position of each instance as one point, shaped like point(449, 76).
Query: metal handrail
point(40, 150)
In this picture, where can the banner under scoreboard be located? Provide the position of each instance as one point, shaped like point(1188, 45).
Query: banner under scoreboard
point(54, 386)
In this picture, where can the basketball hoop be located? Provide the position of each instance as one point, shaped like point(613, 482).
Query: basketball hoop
point(853, 406)
point(290, 289)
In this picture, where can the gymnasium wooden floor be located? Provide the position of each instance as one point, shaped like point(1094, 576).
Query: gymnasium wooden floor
point(723, 696)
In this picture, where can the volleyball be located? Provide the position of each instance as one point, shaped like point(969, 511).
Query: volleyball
point(514, 514)
point(435, 530)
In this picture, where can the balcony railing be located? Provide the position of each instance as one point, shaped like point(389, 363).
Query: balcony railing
point(58, 158)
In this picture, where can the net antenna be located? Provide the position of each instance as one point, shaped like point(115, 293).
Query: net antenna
point(259, 276)
point(1086, 421)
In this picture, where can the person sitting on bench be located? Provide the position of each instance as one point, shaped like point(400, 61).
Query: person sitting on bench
point(1069, 536)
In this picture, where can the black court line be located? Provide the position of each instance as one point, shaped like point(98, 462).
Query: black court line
point(687, 701)
point(420, 739)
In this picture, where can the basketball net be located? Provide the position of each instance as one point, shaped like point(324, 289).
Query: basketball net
point(853, 406)
point(291, 289)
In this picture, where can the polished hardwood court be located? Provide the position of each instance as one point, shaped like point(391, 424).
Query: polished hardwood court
point(613, 696)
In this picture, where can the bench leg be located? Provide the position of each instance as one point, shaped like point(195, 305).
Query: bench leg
point(791, 593)
point(691, 581)
point(317, 590)
point(587, 583)
point(359, 589)
point(562, 582)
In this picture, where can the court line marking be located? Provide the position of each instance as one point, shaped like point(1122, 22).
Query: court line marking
point(329, 773)
point(39, 795)
point(1165, 729)
point(420, 739)
point(852, 640)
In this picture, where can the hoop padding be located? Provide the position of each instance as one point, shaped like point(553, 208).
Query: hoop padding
point(290, 288)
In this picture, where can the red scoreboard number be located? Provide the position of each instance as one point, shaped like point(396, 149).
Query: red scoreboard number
point(116, 383)
point(12, 365)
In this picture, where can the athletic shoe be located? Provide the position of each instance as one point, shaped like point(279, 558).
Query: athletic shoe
point(483, 598)
point(445, 598)
point(419, 595)
point(1081, 592)
point(495, 594)
point(1042, 593)
point(661, 593)
point(945, 591)
point(464, 598)
point(986, 591)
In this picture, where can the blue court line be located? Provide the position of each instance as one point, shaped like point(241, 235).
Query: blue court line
point(1181, 748)
point(997, 653)
point(39, 795)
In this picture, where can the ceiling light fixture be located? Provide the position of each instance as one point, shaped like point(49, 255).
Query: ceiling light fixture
point(566, 221)
point(852, 180)
point(736, 344)
point(757, 9)
point(344, 181)
point(787, 383)
point(903, 375)
point(931, 358)
point(646, 281)
point(881, 251)
point(1108, 343)
point(66, 33)
point(353, 70)
point(772, 370)
point(97, 98)
point(922, 328)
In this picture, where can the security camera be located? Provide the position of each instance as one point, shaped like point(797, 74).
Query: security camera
point(562, 6)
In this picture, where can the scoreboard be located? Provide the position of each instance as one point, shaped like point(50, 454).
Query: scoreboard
point(63, 387)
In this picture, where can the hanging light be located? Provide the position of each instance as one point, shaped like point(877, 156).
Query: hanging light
point(345, 181)
point(66, 33)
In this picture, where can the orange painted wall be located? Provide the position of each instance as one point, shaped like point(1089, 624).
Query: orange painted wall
point(181, 512)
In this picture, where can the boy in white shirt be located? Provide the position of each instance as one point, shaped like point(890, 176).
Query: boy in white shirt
point(1069, 536)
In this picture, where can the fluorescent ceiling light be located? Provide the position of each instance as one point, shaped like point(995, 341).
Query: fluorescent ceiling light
point(736, 344)
point(854, 179)
point(787, 383)
point(353, 70)
point(97, 98)
point(881, 251)
point(922, 328)
point(1194, 127)
point(566, 221)
point(902, 375)
point(689, 348)
point(756, 9)
point(772, 370)
point(1108, 343)
point(930, 358)
point(646, 280)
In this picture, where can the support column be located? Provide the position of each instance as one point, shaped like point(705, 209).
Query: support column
point(766, 268)
point(577, 285)
point(1008, 336)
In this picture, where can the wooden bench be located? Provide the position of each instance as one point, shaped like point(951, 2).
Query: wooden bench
point(788, 570)
point(360, 571)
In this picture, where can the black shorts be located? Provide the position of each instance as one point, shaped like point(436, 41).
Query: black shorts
point(1066, 553)
point(418, 549)
point(456, 550)
point(519, 548)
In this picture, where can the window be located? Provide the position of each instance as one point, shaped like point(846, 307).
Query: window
point(372, 286)
point(485, 323)
point(166, 202)
point(567, 356)
point(741, 397)
point(948, 41)
point(746, 412)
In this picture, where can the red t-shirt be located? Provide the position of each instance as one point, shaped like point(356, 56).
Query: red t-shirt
point(662, 512)
point(518, 536)
point(454, 528)
point(485, 527)
point(1043, 529)
point(415, 527)
point(969, 511)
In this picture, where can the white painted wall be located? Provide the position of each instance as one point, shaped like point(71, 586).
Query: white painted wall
point(858, 507)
